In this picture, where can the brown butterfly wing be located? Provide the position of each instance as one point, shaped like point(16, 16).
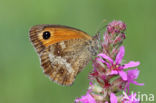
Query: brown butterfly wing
point(62, 60)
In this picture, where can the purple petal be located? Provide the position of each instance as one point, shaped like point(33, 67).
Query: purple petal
point(120, 55)
point(90, 83)
point(113, 98)
point(136, 83)
point(133, 74)
point(113, 72)
point(85, 99)
point(106, 57)
point(101, 60)
point(131, 64)
point(123, 75)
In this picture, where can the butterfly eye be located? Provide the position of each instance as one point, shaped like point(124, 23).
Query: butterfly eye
point(46, 35)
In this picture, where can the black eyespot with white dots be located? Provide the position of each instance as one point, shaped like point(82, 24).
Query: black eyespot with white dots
point(46, 35)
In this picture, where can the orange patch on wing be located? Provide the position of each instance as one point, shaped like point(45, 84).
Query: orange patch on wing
point(62, 34)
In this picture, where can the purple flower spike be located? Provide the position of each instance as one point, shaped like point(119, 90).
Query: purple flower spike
point(109, 75)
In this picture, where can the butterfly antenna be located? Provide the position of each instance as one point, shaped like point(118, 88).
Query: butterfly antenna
point(99, 29)
point(101, 26)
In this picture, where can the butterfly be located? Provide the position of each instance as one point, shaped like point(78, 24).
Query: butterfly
point(64, 51)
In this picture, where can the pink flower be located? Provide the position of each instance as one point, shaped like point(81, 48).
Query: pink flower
point(115, 66)
point(131, 76)
point(85, 99)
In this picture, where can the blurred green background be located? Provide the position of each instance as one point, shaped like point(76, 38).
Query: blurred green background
point(21, 78)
